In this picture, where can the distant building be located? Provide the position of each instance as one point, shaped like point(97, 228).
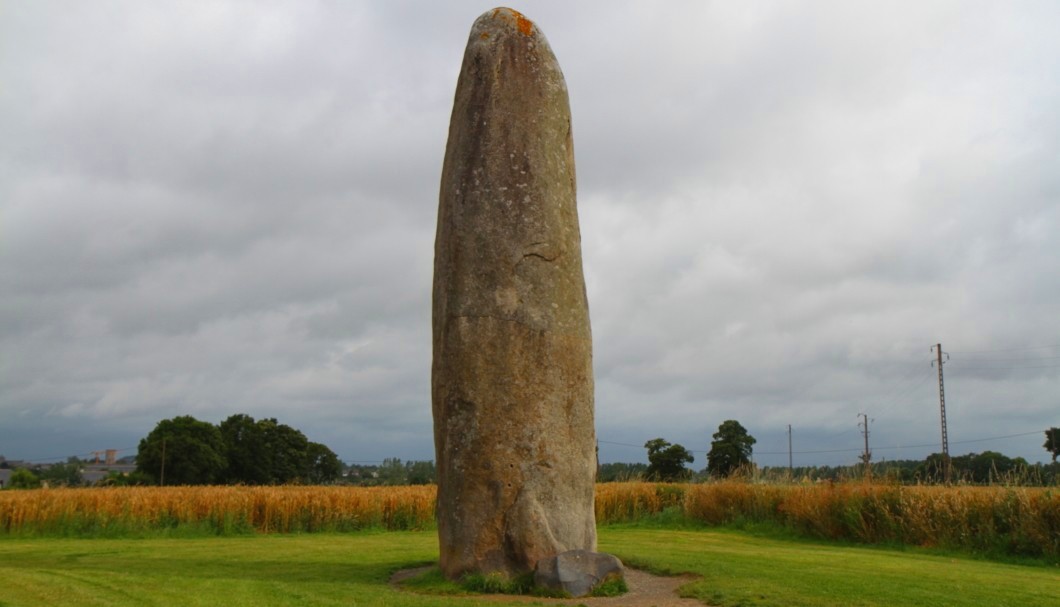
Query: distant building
point(93, 473)
point(12, 464)
point(91, 477)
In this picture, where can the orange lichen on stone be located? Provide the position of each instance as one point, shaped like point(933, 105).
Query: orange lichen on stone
point(523, 24)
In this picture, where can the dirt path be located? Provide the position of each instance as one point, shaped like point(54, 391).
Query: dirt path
point(645, 590)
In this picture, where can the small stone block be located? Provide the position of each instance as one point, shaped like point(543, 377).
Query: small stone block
point(576, 572)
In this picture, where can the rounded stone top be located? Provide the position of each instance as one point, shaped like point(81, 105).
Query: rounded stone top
point(504, 32)
point(506, 19)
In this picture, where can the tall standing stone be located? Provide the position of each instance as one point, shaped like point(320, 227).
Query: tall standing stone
point(512, 382)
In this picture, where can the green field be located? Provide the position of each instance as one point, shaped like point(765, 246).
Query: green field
point(353, 569)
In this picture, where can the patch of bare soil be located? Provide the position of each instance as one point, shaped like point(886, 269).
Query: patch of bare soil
point(645, 590)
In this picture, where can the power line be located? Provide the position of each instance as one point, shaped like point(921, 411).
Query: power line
point(1004, 350)
point(1024, 359)
point(607, 442)
point(847, 431)
point(912, 388)
point(981, 440)
point(906, 386)
point(807, 452)
point(64, 457)
point(877, 448)
point(1005, 368)
point(858, 450)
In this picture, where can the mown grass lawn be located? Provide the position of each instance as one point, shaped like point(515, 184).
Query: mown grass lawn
point(740, 569)
point(353, 569)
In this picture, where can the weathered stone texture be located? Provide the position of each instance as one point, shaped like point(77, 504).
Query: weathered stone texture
point(512, 384)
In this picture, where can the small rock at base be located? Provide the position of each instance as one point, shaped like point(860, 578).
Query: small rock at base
point(576, 572)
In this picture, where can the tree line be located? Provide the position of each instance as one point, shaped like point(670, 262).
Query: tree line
point(242, 450)
point(986, 468)
point(732, 447)
point(239, 450)
point(391, 472)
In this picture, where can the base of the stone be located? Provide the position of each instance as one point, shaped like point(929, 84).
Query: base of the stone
point(576, 572)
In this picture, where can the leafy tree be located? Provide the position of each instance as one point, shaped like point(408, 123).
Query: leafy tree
point(730, 449)
point(194, 452)
point(392, 472)
point(985, 467)
point(1052, 442)
point(245, 451)
point(420, 473)
point(23, 479)
point(361, 474)
point(238, 450)
point(322, 465)
point(286, 451)
point(267, 452)
point(666, 462)
point(66, 475)
point(988, 466)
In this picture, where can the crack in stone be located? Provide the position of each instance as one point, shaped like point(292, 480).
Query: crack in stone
point(544, 255)
point(539, 256)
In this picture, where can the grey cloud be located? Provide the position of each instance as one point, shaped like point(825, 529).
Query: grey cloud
point(230, 208)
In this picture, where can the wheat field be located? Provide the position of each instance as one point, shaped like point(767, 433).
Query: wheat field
point(1016, 520)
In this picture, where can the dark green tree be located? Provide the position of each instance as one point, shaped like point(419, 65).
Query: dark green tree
point(666, 462)
point(266, 452)
point(238, 450)
point(245, 451)
point(986, 467)
point(989, 467)
point(730, 449)
point(322, 465)
point(194, 452)
point(286, 451)
point(1052, 442)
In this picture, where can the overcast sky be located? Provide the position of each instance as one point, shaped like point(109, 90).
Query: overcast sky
point(228, 207)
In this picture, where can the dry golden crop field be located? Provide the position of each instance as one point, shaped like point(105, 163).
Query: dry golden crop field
point(221, 508)
point(1017, 520)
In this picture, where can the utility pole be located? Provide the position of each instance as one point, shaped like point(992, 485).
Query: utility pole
point(162, 474)
point(942, 408)
point(791, 469)
point(1056, 445)
point(866, 457)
